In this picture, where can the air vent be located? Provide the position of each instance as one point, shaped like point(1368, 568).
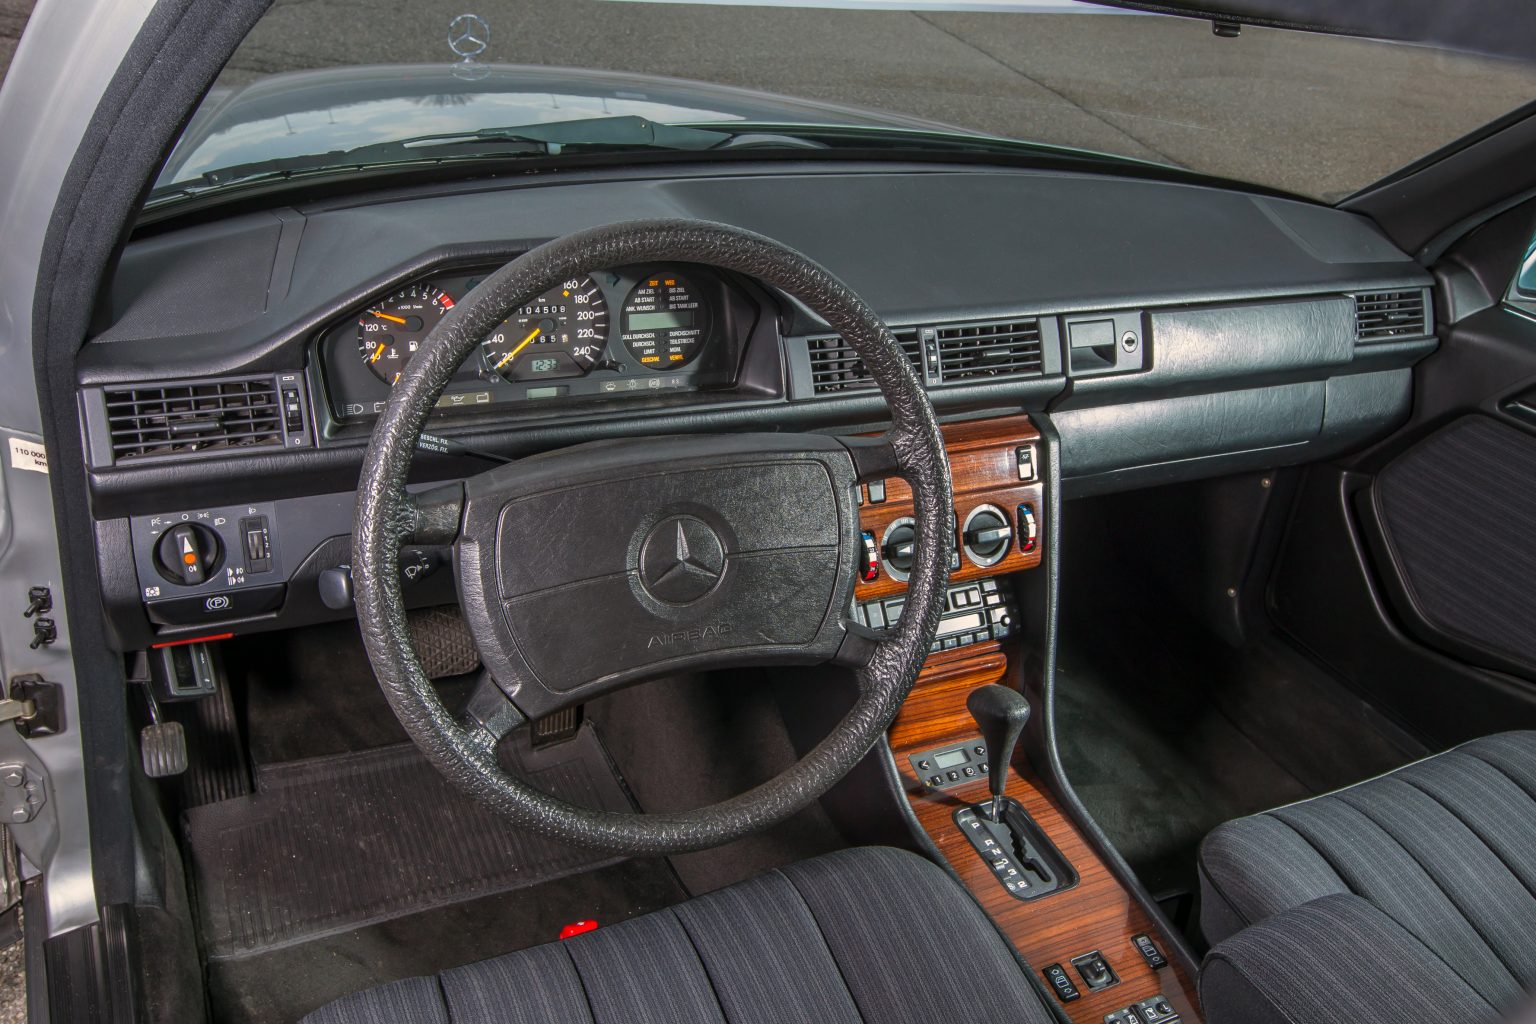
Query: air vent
point(1008, 348)
point(199, 416)
point(1383, 315)
point(836, 367)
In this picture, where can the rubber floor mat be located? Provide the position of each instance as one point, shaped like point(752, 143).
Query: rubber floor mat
point(329, 844)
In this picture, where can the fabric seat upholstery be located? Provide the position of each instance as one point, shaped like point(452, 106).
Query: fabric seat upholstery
point(864, 935)
point(1444, 849)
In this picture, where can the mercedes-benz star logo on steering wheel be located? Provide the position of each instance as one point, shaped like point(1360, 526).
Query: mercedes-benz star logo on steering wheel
point(469, 35)
point(681, 560)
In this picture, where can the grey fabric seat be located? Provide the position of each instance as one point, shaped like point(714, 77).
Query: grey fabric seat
point(1436, 861)
point(860, 935)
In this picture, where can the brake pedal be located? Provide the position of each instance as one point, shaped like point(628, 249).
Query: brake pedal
point(163, 747)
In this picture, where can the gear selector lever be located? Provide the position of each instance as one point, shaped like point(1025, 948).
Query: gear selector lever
point(1001, 713)
point(1016, 849)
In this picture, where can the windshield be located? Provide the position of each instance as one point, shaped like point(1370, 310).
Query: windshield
point(1321, 116)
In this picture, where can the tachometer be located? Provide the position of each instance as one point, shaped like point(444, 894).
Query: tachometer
point(561, 333)
point(389, 333)
point(664, 323)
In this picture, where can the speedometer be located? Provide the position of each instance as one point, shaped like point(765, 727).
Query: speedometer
point(561, 333)
point(390, 332)
point(664, 323)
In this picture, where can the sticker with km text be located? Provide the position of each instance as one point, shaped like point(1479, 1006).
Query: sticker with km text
point(29, 455)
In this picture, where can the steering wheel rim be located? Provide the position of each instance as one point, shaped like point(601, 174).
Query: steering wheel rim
point(386, 516)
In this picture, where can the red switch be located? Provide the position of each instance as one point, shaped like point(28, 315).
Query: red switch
point(579, 928)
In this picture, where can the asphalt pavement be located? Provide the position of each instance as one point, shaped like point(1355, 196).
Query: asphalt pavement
point(1312, 114)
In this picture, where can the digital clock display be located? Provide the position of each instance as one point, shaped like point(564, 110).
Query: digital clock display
point(950, 758)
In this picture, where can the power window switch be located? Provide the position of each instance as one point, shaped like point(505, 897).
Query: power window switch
point(1060, 983)
point(1149, 951)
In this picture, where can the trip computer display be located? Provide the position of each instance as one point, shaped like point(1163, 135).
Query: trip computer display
point(663, 322)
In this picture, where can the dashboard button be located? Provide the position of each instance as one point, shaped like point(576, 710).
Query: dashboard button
point(236, 603)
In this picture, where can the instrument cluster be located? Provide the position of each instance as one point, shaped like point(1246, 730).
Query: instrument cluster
point(616, 334)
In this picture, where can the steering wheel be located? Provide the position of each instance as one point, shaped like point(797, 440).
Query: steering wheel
point(602, 565)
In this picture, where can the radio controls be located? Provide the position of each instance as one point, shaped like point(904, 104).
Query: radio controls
point(973, 613)
point(987, 535)
point(187, 554)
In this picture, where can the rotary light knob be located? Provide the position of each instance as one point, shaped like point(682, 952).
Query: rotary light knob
point(188, 554)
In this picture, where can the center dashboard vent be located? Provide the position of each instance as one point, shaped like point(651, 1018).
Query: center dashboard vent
point(1009, 348)
point(148, 420)
point(1380, 316)
point(836, 367)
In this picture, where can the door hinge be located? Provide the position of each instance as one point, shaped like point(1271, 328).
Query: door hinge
point(35, 705)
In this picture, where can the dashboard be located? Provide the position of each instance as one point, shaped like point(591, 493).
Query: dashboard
point(1122, 332)
point(611, 333)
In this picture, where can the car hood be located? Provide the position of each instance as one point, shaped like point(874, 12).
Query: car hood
point(305, 112)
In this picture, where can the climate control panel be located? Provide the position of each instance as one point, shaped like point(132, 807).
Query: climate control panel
point(998, 523)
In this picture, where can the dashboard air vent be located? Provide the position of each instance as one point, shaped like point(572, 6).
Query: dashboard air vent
point(200, 416)
point(1383, 315)
point(1009, 348)
point(836, 367)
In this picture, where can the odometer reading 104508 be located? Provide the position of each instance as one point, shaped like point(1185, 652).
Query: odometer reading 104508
point(561, 333)
point(663, 322)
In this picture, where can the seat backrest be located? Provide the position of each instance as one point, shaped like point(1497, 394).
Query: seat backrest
point(1445, 848)
point(1334, 959)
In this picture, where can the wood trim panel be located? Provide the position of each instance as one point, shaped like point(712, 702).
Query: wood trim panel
point(984, 471)
point(1096, 914)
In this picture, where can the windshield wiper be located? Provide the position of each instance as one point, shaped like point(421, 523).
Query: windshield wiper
point(552, 139)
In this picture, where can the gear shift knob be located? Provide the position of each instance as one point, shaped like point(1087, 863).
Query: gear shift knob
point(1001, 713)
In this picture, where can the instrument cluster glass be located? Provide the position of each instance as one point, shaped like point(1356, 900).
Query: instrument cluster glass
point(610, 333)
point(562, 333)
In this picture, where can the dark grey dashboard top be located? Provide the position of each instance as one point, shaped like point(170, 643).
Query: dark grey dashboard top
point(1160, 331)
point(1245, 322)
point(917, 244)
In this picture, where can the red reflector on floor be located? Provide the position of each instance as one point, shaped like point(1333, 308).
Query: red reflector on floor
point(577, 928)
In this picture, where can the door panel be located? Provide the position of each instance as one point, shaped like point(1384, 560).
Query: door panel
point(1452, 525)
point(1409, 569)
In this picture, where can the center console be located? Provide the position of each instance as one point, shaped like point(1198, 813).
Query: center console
point(1002, 828)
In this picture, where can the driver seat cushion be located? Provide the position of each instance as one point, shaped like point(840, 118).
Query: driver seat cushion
point(1442, 850)
point(861, 935)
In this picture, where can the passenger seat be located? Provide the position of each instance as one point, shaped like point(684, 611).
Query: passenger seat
point(1410, 896)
